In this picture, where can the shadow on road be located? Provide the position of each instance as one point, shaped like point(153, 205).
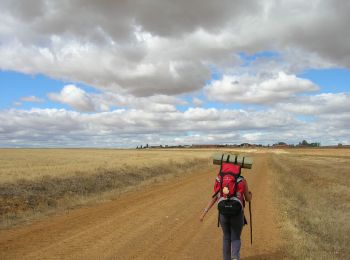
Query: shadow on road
point(277, 255)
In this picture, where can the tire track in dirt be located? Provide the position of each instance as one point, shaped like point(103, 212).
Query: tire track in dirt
point(154, 222)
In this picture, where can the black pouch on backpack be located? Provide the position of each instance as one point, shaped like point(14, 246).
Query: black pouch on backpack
point(231, 207)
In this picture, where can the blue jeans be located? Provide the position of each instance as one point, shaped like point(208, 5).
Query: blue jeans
point(232, 228)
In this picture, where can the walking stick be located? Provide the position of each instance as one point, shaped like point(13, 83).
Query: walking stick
point(251, 224)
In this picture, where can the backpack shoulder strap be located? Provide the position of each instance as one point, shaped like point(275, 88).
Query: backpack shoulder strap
point(222, 158)
point(239, 179)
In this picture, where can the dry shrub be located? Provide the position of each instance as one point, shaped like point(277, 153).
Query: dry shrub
point(27, 197)
point(315, 196)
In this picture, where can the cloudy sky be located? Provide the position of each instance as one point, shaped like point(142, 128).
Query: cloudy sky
point(103, 73)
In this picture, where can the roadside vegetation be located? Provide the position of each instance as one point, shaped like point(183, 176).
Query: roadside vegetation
point(60, 179)
point(314, 192)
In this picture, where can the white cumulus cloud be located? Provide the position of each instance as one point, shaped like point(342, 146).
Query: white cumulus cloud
point(75, 97)
point(80, 100)
point(322, 104)
point(255, 90)
point(165, 47)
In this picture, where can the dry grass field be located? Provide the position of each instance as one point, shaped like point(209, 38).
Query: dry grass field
point(33, 164)
point(314, 191)
point(37, 181)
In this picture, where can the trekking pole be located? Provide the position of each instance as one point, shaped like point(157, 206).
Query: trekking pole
point(251, 224)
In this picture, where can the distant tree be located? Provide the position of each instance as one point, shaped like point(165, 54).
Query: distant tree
point(304, 142)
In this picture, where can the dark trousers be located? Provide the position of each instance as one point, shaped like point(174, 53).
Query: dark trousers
point(232, 228)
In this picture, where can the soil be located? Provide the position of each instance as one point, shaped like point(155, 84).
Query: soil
point(160, 221)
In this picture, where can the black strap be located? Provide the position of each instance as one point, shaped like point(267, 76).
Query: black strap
point(221, 181)
point(216, 193)
point(222, 157)
point(236, 186)
point(220, 173)
point(251, 223)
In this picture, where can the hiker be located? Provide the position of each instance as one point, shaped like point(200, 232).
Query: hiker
point(230, 190)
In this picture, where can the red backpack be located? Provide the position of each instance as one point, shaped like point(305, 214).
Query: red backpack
point(229, 184)
point(230, 177)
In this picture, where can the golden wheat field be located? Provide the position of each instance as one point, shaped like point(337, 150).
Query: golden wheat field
point(314, 194)
point(34, 182)
point(309, 188)
point(28, 164)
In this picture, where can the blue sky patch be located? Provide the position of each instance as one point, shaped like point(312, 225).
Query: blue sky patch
point(16, 85)
point(334, 80)
point(249, 58)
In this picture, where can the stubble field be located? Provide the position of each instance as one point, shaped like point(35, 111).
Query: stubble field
point(314, 196)
point(301, 203)
point(34, 182)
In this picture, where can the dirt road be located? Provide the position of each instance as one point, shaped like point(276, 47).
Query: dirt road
point(162, 222)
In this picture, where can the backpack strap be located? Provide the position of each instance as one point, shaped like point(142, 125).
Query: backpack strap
point(222, 158)
point(218, 219)
point(220, 173)
point(236, 186)
point(220, 181)
point(239, 179)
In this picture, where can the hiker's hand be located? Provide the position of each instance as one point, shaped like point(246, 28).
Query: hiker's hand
point(203, 215)
point(250, 195)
